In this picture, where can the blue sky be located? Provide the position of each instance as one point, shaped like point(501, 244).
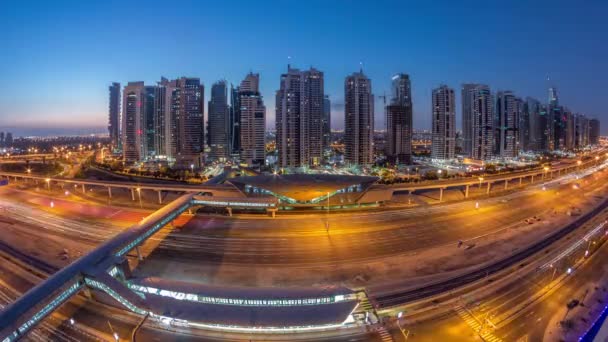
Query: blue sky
point(58, 57)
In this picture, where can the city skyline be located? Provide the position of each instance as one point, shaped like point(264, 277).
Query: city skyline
point(84, 106)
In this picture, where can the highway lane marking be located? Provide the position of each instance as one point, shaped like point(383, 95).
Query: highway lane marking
point(114, 214)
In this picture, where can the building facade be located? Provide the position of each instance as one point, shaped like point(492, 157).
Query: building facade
point(594, 131)
point(326, 122)
point(398, 118)
point(252, 125)
point(477, 100)
point(114, 115)
point(444, 123)
point(218, 129)
point(506, 125)
point(133, 123)
point(358, 120)
point(299, 112)
point(467, 118)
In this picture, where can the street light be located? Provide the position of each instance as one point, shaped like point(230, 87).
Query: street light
point(139, 196)
point(546, 168)
point(480, 180)
point(48, 183)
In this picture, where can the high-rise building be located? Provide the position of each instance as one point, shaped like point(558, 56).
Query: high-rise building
point(234, 122)
point(581, 131)
point(326, 121)
point(299, 110)
point(133, 123)
point(506, 125)
point(467, 115)
point(398, 117)
point(533, 125)
point(148, 124)
point(570, 140)
point(594, 132)
point(524, 125)
point(1, 139)
point(444, 123)
point(189, 107)
point(252, 125)
point(546, 124)
point(162, 120)
point(358, 120)
point(114, 115)
point(478, 107)
point(219, 122)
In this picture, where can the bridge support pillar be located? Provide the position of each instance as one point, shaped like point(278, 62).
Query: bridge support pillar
point(466, 191)
point(409, 196)
point(139, 256)
point(160, 197)
point(109, 192)
point(440, 194)
point(489, 186)
point(551, 175)
point(272, 212)
point(132, 194)
point(229, 211)
point(84, 191)
point(521, 180)
point(87, 292)
point(531, 179)
point(506, 184)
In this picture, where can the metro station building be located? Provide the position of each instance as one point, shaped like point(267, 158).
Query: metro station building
point(313, 190)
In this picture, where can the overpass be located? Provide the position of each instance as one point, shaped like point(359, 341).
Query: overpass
point(229, 191)
point(488, 181)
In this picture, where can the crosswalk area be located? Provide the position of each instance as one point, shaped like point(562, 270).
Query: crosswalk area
point(385, 336)
point(483, 330)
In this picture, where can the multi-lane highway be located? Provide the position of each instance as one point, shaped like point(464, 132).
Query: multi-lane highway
point(414, 242)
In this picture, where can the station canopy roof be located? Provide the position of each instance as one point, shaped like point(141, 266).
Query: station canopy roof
point(304, 187)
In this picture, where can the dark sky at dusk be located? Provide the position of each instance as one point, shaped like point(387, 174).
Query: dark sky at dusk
point(58, 57)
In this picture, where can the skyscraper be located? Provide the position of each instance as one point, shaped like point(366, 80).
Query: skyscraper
point(326, 121)
point(114, 115)
point(1, 139)
point(132, 123)
point(234, 122)
point(534, 124)
point(299, 110)
point(252, 125)
point(581, 131)
point(570, 141)
point(444, 123)
point(506, 125)
point(162, 118)
point(477, 105)
point(467, 121)
point(219, 122)
point(524, 125)
point(148, 124)
point(189, 107)
point(594, 132)
point(358, 119)
point(399, 116)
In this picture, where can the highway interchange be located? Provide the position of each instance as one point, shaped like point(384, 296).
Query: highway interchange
point(367, 248)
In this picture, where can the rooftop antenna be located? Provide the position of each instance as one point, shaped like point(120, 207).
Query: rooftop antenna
point(288, 63)
point(361, 67)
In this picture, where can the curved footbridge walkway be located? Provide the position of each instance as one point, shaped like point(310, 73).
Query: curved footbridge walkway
point(107, 269)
